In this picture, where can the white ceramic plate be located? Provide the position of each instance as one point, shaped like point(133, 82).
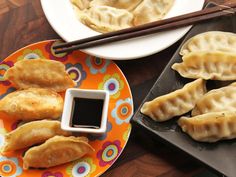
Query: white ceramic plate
point(62, 18)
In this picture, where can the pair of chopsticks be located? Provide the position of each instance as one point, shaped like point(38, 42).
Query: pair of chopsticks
point(149, 28)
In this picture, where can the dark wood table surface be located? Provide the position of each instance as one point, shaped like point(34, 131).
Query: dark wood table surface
point(22, 22)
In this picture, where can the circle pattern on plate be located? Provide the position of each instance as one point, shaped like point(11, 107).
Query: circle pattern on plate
point(30, 54)
point(49, 48)
point(109, 152)
point(89, 73)
point(113, 84)
point(97, 65)
point(81, 168)
point(9, 167)
point(123, 111)
point(76, 73)
point(4, 66)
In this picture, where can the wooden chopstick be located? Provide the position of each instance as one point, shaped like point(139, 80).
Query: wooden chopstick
point(150, 25)
point(150, 28)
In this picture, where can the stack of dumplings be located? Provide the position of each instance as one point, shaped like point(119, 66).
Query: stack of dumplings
point(112, 15)
point(206, 56)
point(38, 102)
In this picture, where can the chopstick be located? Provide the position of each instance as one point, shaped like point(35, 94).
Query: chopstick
point(150, 28)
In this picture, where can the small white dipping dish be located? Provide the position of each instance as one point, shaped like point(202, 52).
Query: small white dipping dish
point(81, 108)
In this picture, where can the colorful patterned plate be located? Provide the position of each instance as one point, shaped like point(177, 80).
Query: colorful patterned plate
point(90, 73)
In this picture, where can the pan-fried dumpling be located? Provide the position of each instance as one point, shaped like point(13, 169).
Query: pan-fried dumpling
point(210, 41)
point(39, 73)
point(32, 104)
point(208, 65)
point(222, 99)
point(120, 4)
point(106, 19)
point(175, 103)
point(81, 4)
point(56, 151)
point(210, 127)
point(32, 133)
point(151, 10)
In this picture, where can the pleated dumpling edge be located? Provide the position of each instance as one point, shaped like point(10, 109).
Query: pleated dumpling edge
point(175, 103)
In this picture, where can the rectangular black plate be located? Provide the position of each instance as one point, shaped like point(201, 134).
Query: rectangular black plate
point(220, 156)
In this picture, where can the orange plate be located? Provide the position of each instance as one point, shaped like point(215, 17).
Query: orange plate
point(89, 73)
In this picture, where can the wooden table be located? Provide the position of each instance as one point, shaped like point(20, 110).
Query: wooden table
point(22, 22)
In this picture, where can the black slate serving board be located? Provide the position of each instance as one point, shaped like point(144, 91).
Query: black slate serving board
point(220, 156)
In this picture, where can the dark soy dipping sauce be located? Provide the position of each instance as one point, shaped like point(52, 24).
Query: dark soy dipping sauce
point(87, 112)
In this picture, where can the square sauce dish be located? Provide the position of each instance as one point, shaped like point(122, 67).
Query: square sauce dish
point(85, 111)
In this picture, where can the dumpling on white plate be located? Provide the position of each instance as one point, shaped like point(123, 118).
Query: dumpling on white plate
point(222, 99)
point(81, 4)
point(151, 10)
point(210, 127)
point(120, 4)
point(105, 19)
point(210, 41)
point(175, 103)
point(208, 66)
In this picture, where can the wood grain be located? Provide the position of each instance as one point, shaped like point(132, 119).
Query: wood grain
point(22, 22)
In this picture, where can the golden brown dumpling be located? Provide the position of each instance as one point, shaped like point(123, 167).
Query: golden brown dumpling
point(151, 10)
point(210, 41)
point(32, 133)
point(81, 4)
point(208, 65)
point(39, 73)
point(222, 99)
point(32, 104)
point(106, 18)
point(120, 4)
point(175, 103)
point(56, 151)
point(210, 127)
